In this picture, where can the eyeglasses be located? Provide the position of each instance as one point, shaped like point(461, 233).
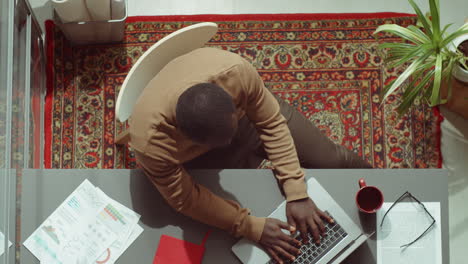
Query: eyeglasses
point(408, 194)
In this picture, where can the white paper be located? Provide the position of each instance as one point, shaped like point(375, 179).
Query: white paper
point(111, 255)
point(2, 243)
point(76, 232)
point(405, 222)
point(88, 227)
point(125, 227)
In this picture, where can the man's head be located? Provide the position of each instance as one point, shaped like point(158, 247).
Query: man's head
point(205, 114)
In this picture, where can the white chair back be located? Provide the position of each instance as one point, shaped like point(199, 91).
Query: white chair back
point(155, 58)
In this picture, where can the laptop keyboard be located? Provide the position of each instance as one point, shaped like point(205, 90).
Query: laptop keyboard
point(312, 253)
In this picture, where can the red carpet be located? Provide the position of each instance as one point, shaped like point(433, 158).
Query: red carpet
point(326, 65)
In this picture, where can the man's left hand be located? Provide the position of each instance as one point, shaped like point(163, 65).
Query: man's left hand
point(305, 216)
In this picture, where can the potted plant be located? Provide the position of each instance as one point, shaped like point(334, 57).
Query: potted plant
point(437, 73)
point(437, 62)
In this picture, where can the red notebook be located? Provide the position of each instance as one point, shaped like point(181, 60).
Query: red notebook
point(172, 250)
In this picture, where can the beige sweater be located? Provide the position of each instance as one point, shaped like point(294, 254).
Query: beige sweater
point(161, 149)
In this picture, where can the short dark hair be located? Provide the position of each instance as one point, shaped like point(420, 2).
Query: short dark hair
point(205, 111)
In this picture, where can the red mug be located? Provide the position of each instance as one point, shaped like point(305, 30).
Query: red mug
point(369, 199)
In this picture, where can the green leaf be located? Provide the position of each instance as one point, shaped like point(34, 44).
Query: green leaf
point(416, 78)
point(422, 18)
point(386, 88)
point(434, 8)
point(461, 31)
point(391, 60)
point(449, 82)
point(396, 45)
point(401, 32)
point(463, 62)
point(435, 95)
point(447, 69)
point(445, 29)
point(407, 73)
point(425, 65)
point(419, 51)
point(409, 98)
point(397, 51)
point(419, 32)
point(449, 88)
point(425, 70)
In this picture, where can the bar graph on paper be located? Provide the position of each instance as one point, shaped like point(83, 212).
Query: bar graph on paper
point(110, 213)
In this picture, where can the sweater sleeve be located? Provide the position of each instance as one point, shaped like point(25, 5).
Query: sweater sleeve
point(194, 200)
point(263, 110)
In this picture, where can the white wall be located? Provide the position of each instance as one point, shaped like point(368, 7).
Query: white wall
point(452, 11)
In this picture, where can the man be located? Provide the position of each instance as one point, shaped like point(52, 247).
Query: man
point(210, 109)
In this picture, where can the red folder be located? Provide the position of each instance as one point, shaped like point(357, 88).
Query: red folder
point(175, 251)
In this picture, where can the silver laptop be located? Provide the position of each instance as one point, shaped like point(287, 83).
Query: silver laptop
point(342, 238)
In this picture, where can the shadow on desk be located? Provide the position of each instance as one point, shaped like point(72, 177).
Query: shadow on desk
point(157, 214)
point(368, 225)
point(154, 210)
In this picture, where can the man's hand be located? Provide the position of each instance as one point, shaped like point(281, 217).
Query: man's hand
point(277, 243)
point(305, 216)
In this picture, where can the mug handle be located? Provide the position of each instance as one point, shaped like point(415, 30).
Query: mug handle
point(362, 183)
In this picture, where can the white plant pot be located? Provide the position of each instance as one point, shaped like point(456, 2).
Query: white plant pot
point(458, 71)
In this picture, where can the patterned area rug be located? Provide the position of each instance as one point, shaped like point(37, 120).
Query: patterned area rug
point(327, 66)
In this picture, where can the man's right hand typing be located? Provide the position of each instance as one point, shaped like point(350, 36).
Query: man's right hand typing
point(278, 244)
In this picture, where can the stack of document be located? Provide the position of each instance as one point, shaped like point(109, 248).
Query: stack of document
point(88, 227)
